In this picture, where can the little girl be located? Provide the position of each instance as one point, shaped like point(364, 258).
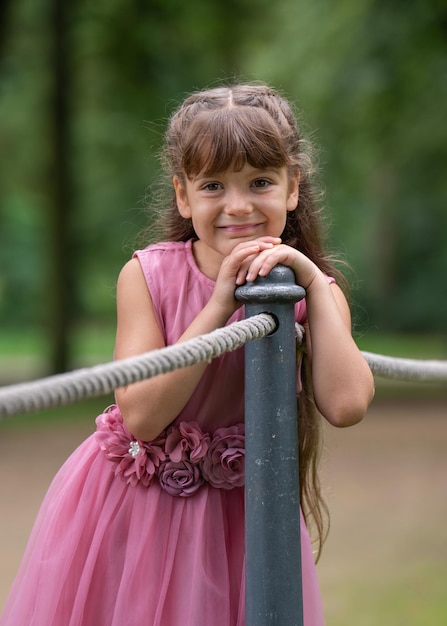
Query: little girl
point(144, 524)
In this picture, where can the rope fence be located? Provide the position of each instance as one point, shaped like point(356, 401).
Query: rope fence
point(99, 380)
point(410, 370)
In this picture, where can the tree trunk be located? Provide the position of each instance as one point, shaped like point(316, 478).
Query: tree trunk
point(61, 262)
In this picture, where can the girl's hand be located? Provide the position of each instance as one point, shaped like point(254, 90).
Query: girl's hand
point(261, 264)
point(234, 268)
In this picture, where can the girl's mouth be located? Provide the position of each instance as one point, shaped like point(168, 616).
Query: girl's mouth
point(239, 228)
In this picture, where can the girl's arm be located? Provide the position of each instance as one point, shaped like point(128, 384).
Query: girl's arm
point(342, 380)
point(149, 406)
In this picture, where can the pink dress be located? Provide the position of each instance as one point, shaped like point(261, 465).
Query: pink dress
point(132, 533)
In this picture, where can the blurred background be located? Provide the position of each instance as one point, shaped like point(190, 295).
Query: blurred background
point(85, 91)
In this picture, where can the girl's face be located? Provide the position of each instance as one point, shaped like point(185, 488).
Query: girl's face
point(231, 207)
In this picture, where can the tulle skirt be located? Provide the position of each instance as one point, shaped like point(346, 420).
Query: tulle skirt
point(107, 553)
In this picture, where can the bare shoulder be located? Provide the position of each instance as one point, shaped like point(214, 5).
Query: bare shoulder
point(137, 326)
point(130, 274)
point(131, 285)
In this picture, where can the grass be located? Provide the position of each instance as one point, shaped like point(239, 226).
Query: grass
point(89, 343)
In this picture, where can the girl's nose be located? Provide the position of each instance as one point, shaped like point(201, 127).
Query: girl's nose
point(237, 203)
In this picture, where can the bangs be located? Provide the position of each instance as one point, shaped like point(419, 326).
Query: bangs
point(220, 139)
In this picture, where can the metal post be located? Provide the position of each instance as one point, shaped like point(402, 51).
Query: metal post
point(272, 523)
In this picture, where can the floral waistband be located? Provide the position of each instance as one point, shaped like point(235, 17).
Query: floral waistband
point(182, 458)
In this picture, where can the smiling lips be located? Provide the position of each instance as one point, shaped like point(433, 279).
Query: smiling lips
point(239, 228)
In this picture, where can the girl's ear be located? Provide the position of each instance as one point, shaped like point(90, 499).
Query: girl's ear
point(181, 198)
point(294, 191)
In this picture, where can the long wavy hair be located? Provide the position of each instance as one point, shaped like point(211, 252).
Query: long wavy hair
point(226, 127)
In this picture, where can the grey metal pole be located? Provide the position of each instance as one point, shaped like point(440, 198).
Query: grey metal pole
point(272, 523)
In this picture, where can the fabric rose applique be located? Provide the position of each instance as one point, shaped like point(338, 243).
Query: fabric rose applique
point(183, 457)
point(186, 445)
point(136, 461)
point(223, 466)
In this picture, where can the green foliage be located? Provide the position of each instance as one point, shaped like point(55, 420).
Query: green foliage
point(369, 77)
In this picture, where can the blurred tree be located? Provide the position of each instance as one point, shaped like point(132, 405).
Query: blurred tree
point(371, 78)
point(4, 21)
point(62, 281)
point(23, 155)
point(99, 70)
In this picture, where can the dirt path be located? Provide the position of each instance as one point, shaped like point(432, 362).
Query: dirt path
point(385, 479)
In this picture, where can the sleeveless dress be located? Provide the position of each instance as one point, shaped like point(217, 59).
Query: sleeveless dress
point(136, 533)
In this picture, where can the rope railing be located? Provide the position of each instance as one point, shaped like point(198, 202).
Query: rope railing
point(71, 387)
point(100, 380)
point(409, 370)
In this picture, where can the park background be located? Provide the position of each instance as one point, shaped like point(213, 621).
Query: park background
point(85, 92)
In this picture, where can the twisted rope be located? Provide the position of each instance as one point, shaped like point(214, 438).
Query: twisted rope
point(100, 380)
point(406, 369)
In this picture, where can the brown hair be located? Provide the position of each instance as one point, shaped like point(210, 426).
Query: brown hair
point(225, 127)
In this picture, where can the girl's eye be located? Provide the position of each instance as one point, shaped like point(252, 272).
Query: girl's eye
point(212, 187)
point(261, 182)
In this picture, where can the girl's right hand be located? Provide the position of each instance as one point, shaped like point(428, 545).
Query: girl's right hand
point(233, 271)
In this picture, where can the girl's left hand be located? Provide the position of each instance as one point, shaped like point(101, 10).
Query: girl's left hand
point(305, 270)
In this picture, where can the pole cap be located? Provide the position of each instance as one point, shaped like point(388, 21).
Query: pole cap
point(278, 286)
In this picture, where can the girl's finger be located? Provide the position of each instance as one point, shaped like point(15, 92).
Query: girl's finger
point(243, 255)
point(263, 263)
